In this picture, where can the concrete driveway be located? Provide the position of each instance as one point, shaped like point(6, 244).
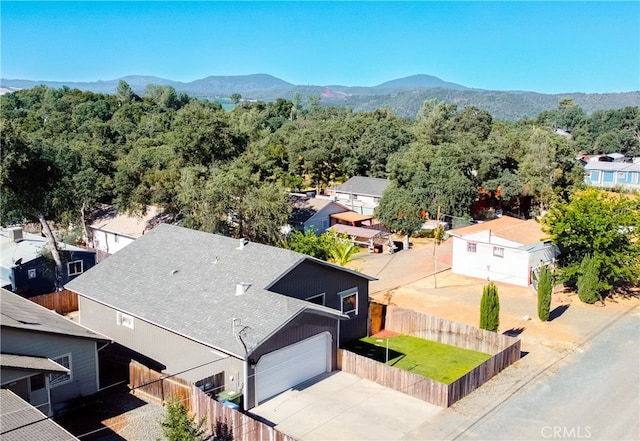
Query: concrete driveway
point(341, 406)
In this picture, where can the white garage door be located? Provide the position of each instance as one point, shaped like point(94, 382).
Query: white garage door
point(280, 370)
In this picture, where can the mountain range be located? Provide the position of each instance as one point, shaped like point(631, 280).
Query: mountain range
point(404, 96)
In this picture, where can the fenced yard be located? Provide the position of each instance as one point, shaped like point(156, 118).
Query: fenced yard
point(503, 350)
point(441, 362)
point(159, 388)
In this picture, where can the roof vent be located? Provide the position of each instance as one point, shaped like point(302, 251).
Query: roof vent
point(242, 288)
point(242, 243)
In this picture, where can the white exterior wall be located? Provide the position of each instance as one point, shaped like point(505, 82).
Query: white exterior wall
point(109, 242)
point(512, 268)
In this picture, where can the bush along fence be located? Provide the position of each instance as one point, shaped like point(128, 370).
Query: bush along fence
point(504, 351)
point(157, 387)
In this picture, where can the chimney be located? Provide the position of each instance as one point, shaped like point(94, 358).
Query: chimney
point(242, 288)
point(242, 243)
point(15, 234)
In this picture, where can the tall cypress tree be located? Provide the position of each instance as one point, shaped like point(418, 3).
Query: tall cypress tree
point(588, 280)
point(490, 308)
point(545, 288)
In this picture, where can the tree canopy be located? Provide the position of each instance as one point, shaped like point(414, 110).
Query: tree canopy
point(65, 151)
point(602, 225)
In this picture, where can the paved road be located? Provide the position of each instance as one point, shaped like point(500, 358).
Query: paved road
point(592, 393)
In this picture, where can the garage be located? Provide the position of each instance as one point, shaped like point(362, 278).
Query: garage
point(285, 368)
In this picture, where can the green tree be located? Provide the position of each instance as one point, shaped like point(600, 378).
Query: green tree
point(545, 288)
point(235, 98)
point(600, 224)
point(179, 426)
point(342, 250)
point(399, 210)
point(490, 308)
point(589, 284)
point(30, 182)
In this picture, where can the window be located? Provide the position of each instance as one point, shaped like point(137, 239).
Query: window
point(60, 378)
point(32, 273)
point(471, 247)
point(349, 301)
point(317, 299)
point(498, 251)
point(75, 267)
point(125, 320)
point(116, 238)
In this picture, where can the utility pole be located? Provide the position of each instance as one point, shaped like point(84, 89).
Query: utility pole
point(436, 241)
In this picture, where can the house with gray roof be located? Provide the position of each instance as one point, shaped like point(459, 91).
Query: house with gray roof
point(201, 305)
point(312, 213)
point(360, 193)
point(25, 269)
point(46, 359)
point(20, 421)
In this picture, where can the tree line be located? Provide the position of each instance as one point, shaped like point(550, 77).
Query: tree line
point(64, 151)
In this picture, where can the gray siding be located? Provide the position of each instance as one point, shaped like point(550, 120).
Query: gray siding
point(186, 358)
point(310, 278)
point(83, 359)
point(304, 326)
point(315, 221)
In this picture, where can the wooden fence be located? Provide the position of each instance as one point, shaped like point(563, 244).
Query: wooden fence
point(157, 387)
point(504, 351)
point(414, 385)
point(62, 302)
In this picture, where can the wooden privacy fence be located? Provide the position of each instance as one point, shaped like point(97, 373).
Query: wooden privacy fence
point(62, 302)
point(157, 387)
point(504, 351)
point(414, 385)
point(245, 428)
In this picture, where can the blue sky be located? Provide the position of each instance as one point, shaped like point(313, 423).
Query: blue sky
point(549, 47)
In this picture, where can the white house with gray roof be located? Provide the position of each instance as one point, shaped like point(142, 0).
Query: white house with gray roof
point(360, 193)
point(200, 304)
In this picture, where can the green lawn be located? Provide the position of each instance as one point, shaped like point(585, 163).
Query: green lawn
point(440, 362)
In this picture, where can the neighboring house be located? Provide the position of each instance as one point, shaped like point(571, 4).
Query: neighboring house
point(46, 359)
point(202, 305)
point(505, 249)
point(20, 421)
point(24, 269)
point(312, 213)
point(613, 174)
point(111, 231)
point(360, 194)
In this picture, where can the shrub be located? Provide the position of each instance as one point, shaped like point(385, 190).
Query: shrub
point(588, 280)
point(179, 426)
point(490, 308)
point(545, 288)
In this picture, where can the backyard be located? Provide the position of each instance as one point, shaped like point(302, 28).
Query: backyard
point(440, 362)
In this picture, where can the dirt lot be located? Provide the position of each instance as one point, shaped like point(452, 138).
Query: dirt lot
point(407, 279)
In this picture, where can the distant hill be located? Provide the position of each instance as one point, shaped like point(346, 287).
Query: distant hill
point(404, 96)
point(420, 82)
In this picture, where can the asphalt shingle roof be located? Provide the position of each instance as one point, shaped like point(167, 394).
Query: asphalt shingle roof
point(18, 312)
point(363, 185)
point(30, 363)
point(186, 280)
point(20, 421)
